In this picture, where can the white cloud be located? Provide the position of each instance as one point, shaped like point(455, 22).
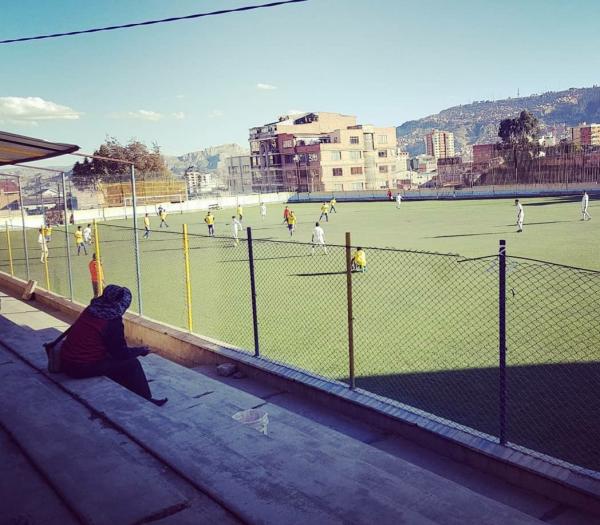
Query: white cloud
point(215, 113)
point(266, 87)
point(31, 109)
point(295, 112)
point(180, 96)
point(147, 115)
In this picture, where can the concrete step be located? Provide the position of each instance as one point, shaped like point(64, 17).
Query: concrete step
point(301, 472)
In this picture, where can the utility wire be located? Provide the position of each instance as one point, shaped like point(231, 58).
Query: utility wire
point(152, 22)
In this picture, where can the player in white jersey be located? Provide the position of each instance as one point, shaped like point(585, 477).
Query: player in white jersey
point(585, 202)
point(87, 234)
point(263, 211)
point(520, 215)
point(236, 228)
point(398, 200)
point(318, 238)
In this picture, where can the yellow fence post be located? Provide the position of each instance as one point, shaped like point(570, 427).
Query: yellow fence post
point(98, 259)
point(10, 259)
point(188, 283)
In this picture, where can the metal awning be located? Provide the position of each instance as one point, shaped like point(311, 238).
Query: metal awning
point(18, 148)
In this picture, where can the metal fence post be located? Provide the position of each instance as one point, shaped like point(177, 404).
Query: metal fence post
point(188, 283)
point(350, 313)
point(502, 337)
point(68, 242)
point(138, 271)
point(253, 293)
point(25, 248)
point(10, 258)
point(46, 272)
point(98, 259)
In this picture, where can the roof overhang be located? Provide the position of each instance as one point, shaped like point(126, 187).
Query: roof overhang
point(15, 149)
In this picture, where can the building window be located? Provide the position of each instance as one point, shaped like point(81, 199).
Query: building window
point(357, 185)
point(335, 155)
point(383, 169)
point(382, 153)
point(354, 140)
point(356, 170)
point(288, 143)
point(337, 172)
point(355, 154)
point(381, 139)
point(338, 187)
point(392, 167)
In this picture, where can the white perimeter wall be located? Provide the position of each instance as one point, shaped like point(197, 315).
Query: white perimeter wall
point(13, 219)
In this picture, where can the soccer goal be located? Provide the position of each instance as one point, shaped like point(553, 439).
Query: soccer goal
point(151, 203)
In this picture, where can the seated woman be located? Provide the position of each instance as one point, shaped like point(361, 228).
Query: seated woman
point(95, 344)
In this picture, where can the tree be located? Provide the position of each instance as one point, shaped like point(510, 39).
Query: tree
point(522, 130)
point(148, 163)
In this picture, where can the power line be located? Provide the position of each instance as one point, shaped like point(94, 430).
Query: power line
point(152, 22)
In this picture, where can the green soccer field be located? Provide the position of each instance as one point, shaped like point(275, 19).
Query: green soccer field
point(426, 325)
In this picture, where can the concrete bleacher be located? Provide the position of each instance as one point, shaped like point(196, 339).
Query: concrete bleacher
point(301, 472)
point(114, 458)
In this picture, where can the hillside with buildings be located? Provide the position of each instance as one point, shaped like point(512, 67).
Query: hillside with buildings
point(210, 159)
point(477, 123)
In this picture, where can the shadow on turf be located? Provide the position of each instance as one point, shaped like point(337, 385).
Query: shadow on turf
point(316, 274)
point(551, 408)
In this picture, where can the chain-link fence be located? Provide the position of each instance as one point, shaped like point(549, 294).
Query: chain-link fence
point(427, 328)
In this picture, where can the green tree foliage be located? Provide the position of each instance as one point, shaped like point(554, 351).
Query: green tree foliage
point(521, 130)
point(148, 163)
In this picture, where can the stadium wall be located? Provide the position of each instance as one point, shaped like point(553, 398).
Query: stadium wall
point(122, 212)
point(477, 192)
point(523, 470)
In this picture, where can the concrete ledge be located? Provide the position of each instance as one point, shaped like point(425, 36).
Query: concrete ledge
point(510, 463)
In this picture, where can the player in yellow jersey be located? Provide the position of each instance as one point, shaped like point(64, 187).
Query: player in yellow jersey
point(79, 241)
point(146, 226)
point(240, 213)
point(332, 204)
point(359, 261)
point(291, 223)
point(163, 218)
point(210, 221)
point(324, 212)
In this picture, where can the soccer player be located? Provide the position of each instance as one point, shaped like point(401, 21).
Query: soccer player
point(47, 231)
point(324, 211)
point(79, 241)
point(210, 221)
point(398, 200)
point(585, 202)
point(146, 226)
point(87, 234)
point(163, 218)
point(359, 261)
point(43, 246)
point(236, 227)
point(389, 195)
point(332, 204)
point(520, 216)
point(318, 238)
point(263, 211)
point(240, 213)
point(286, 215)
point(291, 221)
point(97, 274)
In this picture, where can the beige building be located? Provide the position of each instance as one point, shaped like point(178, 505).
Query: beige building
point(585, 135)
point(440, 144)
point(323, 152)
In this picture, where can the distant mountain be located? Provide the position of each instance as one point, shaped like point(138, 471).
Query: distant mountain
point(477, 123)
point(210, 159)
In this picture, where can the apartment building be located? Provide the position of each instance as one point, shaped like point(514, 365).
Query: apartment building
point(585, 134)
point(197, 182)
point(439, 144)
point(239, 178)
point(322, 152)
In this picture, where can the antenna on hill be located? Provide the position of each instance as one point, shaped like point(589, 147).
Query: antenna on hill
point(518, 94)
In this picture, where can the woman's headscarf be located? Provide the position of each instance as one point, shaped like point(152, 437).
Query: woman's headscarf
point(112, 304)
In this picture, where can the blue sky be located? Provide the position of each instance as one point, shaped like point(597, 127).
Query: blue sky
point(193, 84)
